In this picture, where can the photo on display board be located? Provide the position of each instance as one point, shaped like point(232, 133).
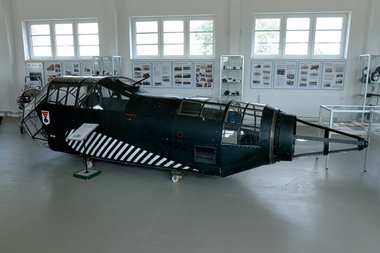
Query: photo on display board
point(139, 69)
point(333, 75)
point(285, 74)
point(204, 75)
point(182, 75)
point(162, 73)
point(309, 75)
point(261, 74)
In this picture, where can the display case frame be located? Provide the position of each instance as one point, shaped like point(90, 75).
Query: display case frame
point(106, 65)
point(372, 133)
point(367, 90)
point(231, 76)
point(357, 125)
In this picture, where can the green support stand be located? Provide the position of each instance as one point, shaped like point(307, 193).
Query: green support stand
point(86, 174)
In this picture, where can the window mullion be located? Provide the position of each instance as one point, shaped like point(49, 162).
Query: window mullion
point(52, 40)
point(75, 39)
point(160, 38)
point(311, 36)
point(186, 37)
point(282, 36)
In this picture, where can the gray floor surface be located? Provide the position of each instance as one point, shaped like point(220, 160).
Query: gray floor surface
point(286, 207)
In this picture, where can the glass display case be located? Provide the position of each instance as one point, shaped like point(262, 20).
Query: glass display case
point(231, 76)
point(373, 133)
point(352, 119)
point(368, 80)
point(106, 65)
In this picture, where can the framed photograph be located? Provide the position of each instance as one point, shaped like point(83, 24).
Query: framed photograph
point(204, 75)
point(261, 74)
point(309, 75)
point(87, 68)
point(333, 75)
point(71, 68)
point(52, 69)
point(182, 74)
point(35, 70)
point(162, 74)
point(285, 74)
point(139, 69)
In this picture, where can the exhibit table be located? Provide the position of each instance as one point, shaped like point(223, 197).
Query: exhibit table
point(372, 133)
point(352, 119)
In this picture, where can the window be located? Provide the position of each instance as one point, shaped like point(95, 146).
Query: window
point(167, 37)
point(62, 39)
point(321, 35)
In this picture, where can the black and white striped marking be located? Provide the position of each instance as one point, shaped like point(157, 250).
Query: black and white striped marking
point(102, 146)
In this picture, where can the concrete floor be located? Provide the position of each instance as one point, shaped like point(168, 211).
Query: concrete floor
point(286, 207)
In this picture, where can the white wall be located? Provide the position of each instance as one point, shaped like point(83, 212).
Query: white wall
point(364, 34)
point(7, 60)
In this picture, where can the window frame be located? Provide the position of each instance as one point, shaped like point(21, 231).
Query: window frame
point(53, 35)
point(346, 17)
point(160, 31)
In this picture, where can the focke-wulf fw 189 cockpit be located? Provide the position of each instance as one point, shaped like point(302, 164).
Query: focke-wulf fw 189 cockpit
point(182, 134)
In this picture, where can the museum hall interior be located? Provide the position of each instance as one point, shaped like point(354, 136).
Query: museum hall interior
point(189, 126)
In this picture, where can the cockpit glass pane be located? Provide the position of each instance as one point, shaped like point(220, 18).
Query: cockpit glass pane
point(213, 111)
point(239, 104)
point(84, 91)
point(190, 108)
point(230, 134)
point(234, 115)
point(53, 90)
point(62, 94)
point(252, 116)
point(72, 95)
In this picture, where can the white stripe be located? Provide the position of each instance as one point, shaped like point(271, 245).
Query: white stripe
point(74, 144)
point(88, 141)
point(81, 142)
point(133, 155)
point(71, 141)
point(108, 149)
point(146, 158)
point(154, 159)
point(92, 144)
point(99, 143)
point(161, 161)
point(186, 168)
point(121, 151)
point(195, 170)
point(126, 153)
point(138, 158)
point(114, 150)
point(69, 134)
point(104, 146)
point(168, 164)
point(177, 166)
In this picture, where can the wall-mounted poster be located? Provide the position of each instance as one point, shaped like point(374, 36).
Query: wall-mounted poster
point(333, 75)
point(35, 71)
point(285, 74)
point(139, 70)
point(309, 74)
point(71, 68)
point(182, 75)
point(261, 74)
point(162, 74)
point(204, 75)
point(52, 70)
point(87, 68)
